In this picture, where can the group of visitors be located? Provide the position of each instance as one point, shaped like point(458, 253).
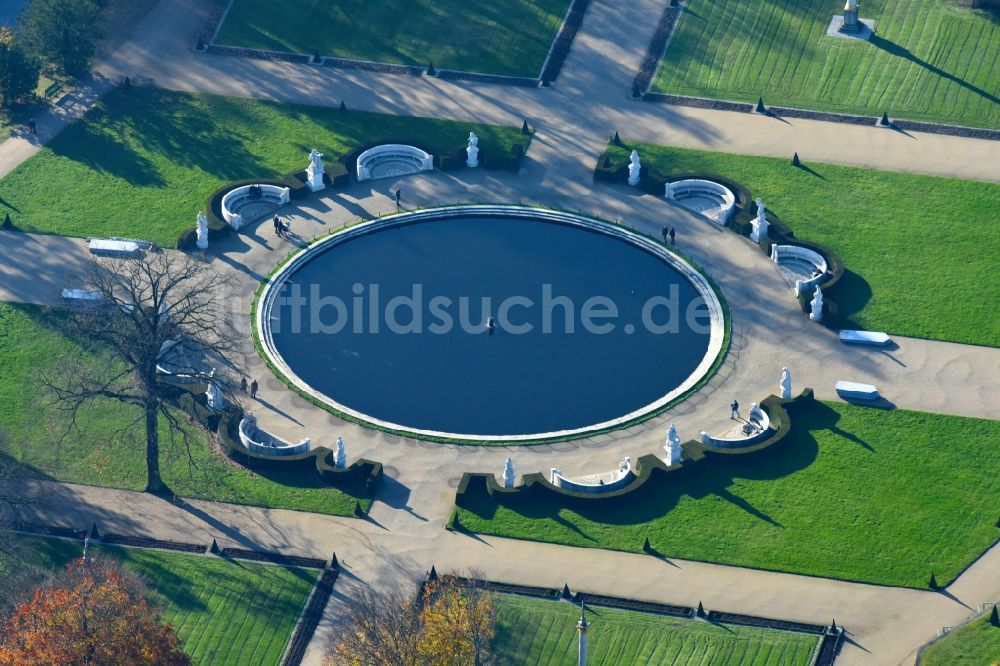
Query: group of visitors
point(253, 387)
point(280, 228)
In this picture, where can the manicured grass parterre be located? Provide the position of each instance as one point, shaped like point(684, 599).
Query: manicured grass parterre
point(510, 37)
point(975, 644)
point(102, 451)
point(225, 612)
point(543, 633)
point(852, 492)
point(913, 245)
point(929, 59)
point(142, 163)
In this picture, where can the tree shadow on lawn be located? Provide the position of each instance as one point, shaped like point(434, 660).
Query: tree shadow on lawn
point(176, 589)
point(899, 51)
point(710, 476)
point(851, 294)
point(172, 126)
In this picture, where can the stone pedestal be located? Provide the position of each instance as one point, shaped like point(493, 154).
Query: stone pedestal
point(315, 180)
point(472, 151)
point(202, 241)
point(634, 169)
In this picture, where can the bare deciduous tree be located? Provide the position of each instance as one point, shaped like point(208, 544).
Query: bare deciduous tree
point(383, 629)
point(161, 303)
point(450, 624)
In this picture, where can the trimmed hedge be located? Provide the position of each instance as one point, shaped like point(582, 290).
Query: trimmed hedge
point(652, 181)
point(340, 173)
point(359, 479)
point(475, 489)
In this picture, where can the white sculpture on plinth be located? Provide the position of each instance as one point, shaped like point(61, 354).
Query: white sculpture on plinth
point(817, 305)
point(340, 458)
point(236, 221)
point(634, 167)
point(202, 241)
point(673, 446)
point(508, 474)
point(786, 384)
point(760, 224)
point(472, 151)
point(315, 170)
point(213, 394)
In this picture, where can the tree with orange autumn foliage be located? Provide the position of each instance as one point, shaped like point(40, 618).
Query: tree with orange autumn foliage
point(450, 624)
point(457, 621)
point(92, 614)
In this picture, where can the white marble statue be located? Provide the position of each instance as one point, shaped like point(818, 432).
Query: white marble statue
point(634, 168)
point(202, 241)
point(472, 151)
point(673, 446)
point(760, 223)
point(786, 384)
point(817, 305)
point(340, 458)
point(213, 395)
point(508, 474)
point(236, 221)
point(314, 171)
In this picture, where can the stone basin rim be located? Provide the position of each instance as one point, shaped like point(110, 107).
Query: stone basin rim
point(264, 300)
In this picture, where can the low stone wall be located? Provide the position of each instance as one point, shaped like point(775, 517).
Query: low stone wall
point(742, 442)
point(234, 198)
point(676, 191)
point(265, 444)
point(477, 489)
point(778, 252)
point(369, 160)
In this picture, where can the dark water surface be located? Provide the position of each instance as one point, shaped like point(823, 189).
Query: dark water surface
point(463, 379)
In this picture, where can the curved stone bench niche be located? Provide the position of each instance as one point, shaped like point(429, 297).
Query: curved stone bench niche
point(597, 483)
point(392, 160)
point(705, 197)
point(240, 206)
point(802, 267)
point(761, 429)
point(263, 443)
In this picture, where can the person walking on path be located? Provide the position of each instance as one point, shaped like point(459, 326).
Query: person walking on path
point(277, 225)
point(253, 389)
point(735, 409)
point(665, 234)
point(672, 234)
point(243, 384)
point(399, 196)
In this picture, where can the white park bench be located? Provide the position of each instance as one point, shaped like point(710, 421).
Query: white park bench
point(873, 338)
point(115, 247)
point(856, 391)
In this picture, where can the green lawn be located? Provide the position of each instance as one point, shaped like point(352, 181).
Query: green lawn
point(543, 633)
point(975, 644)
point(142, 163)
point(915, 247)
point(31, 432)
point(225, 612)
point(929, 60)
point(852, 492)
point(509, 37)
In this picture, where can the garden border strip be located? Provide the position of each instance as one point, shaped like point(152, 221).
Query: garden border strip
point(899, 125)
point(312, 613)
point(555, 57)
point(831, 639)
point(656, 50)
